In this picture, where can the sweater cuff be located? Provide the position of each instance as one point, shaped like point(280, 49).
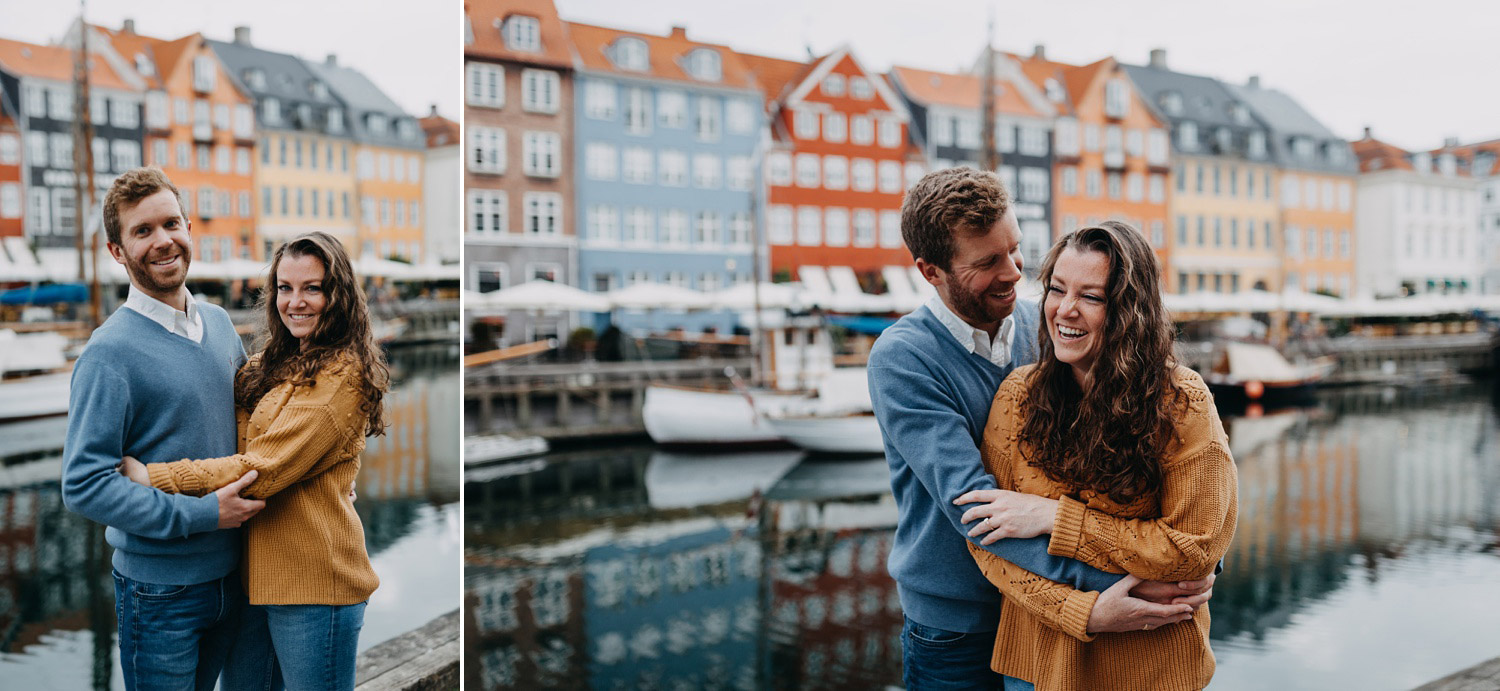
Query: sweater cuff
point(165, 478)
point(1075, 614)
point(1067, 528)
point(204, 513)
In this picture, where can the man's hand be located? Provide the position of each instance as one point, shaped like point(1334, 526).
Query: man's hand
point(1195, 593)
point(234, 509)
point(1008, 514)
point(1116, 611)
point(135, 470)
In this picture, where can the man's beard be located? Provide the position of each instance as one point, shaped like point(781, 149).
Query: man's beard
point(972, 307)
point(142, 275)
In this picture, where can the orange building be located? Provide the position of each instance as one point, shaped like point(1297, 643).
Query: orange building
point(12, 187)
point(200, 129)
point(1110, 151)
point(839, 161)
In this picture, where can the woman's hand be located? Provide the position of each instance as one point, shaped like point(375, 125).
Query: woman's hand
point(1008, 514)
point(135, 470)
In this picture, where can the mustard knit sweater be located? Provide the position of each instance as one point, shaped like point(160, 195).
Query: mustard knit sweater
point(307, 547)
point(1178, 534)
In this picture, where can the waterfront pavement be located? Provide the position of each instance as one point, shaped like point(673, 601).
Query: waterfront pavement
point(1484, 676)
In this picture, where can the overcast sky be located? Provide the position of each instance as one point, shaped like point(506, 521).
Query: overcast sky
point(411, 50)
point(1416, 72)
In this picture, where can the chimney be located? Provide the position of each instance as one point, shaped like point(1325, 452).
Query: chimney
point(1254, 81)
point(332, 61)
point(242, 35)
point(1039, 52)
point(432, 113)
point(129, 26)
point(1450, 142)
point(679, 32)
point(1367, 132)
point(1159, 58)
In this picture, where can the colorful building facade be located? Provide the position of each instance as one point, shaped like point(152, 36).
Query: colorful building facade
point(12, 184)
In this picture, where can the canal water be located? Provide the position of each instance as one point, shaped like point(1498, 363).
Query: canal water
point(1366, 556)
point(57, 619)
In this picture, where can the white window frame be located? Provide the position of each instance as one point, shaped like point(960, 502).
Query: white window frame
point(538, 208)
point(485, 85)
point(540, 91)
point(482, 141)
point(541, 154)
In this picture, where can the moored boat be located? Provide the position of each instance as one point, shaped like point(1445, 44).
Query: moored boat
point(1257, 373)
point(851, 433)
point(34, 376)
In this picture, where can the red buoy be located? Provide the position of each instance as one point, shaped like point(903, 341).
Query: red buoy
point(1254, 390)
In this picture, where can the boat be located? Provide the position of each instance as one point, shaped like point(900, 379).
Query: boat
point(1245, 373)
point(843, 433)
point(34, 375)
point(676, 480)
point(501, 448)
point(682, 416)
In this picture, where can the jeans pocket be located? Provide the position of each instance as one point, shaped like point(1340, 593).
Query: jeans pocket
point(934, 637)
point(155, 591)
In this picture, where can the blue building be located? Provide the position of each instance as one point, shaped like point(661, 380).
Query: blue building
point(666, 168)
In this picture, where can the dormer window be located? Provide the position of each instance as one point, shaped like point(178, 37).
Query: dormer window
point(1334, 152)
point(406, 128)
point(523, 33)
point(1484, 162)
point(631, 54)
point(1116, 98)
point(376, 124)
point(1224, 139)
point(144, 66)
point(304, 116)
point(335, 120)
point(1302, 148)
point(1422, 162)
point(1447, 164)
point(318, 89)
point(860, 88)
point(1257, 147)
point(704, 64)
point(833, 85)
point(255, 79)
point(1055, 92)
point(1239, 113)
point(1171, 102)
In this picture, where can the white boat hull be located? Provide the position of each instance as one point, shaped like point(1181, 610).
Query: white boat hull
point(42, 395)
point(690, 417)
point(848, 434)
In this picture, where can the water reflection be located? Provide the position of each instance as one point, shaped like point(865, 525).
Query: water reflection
point(634, 568)
point(57, 624)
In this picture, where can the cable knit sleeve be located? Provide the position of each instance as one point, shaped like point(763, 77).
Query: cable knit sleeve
point(1198, 508)
point(301, 441)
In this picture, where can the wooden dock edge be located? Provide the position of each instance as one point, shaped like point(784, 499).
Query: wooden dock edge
point(1484, 676)
point(424, 659)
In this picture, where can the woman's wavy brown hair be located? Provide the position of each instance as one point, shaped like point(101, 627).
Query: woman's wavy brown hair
point(1111, 437)
point(342, 329)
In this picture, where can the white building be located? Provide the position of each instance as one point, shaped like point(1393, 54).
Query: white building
point(440, 195)
point(1417, 219)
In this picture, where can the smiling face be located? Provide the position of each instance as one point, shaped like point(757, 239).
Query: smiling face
point(980, 285)
point(300, 299)
point(1076, 307)
point(155, 247)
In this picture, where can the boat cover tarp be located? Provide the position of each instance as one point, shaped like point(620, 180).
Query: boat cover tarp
point(46, 295)
point(1256, 362)
point(862, 324)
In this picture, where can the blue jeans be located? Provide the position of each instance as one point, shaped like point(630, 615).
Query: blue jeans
point(299, 647)
point(941, 660)
point(1014, 684)
point(176, 637)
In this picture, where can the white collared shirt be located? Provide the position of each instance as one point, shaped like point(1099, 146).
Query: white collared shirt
point(977, 341)
point(187, 324)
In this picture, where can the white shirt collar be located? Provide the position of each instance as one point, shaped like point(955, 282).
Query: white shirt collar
point(977, 341)
point(187, 324)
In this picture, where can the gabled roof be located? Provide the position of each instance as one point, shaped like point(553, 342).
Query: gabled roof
point(821, 67)
point(1466, 153)
point(1375, 155)
point(1285, 118)
point(128, 45)
point(959, 90)
point(1040, 71)
point(666, 55)
point(55, 63)
point(287, 76)
point(361, 97)
point(440, 131)
point(484, 39)
point(775, 75)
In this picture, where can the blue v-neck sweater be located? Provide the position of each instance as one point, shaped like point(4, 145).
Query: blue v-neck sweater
point(142, 391)
point(932, 399)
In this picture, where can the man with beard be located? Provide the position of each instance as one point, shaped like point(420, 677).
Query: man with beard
point(933, 376)
point(156, 381)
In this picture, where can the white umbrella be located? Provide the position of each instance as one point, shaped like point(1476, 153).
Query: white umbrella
point(658, 296)
point(539, 295)
point(742, 296)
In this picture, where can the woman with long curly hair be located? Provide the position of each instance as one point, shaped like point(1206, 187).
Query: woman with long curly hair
point(305, 404)
point(1116, 451)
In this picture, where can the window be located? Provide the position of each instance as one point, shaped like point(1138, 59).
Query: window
point(64, 210)
point(835, 127)
point(1070, 181)
point(638, 226)
point(36, 148)
point(890, 229)
point(486, 151)
point(1156, 147)
point(599, 99)
point(1182, 230)
point(707, 171)
point(40, 209)
point(541, 153)
point(779, 168)
point(600, 161)
point(270, 111)
point(1067, 136)
point(126, 114)
point(637, 111)
point(486, 85)
point(603, 224)
point(706, 229)
point(673, 166)
point(543, 213)
point(890, 133)
point(1157, 189)
point(637, 164)
point(739, 174)
point(60, 104)
point(671, 108)
point(539, 91)
point(708, 118)
point(835, 172)
point(523, 33)
point(674, 228)
point(1134, 187)
point(864, 228)
point(1116, 98)
point(704, 64)
point(967, 133)
point(890, 177)
point(1257, 145)
point(10, 200)
point(833, 85)
point(1293, 241)
point(631, 54)
point(1092, 180)
point(1033, 141)
point(860, 88)
point(807, 170)
point(805, 124)
point(941, 128)
point(862, 130)
point(740, 230)
point(740, 115)
point(35, 101)
point(1234, 232)
point(1114, 185)
point(222, 159)
point(1187, 136)
point(809, 226)
point(863, 174)
point(836, 227)
point(1035, 185)
point(779, 225)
